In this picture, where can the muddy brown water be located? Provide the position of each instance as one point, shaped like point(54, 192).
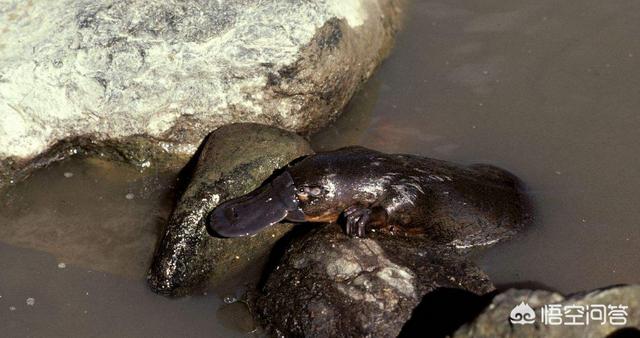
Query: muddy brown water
point(549, 90)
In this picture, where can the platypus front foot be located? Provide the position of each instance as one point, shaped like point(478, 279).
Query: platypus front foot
point(357, 218)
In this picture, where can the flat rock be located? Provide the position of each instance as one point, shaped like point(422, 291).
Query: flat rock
point(327, 284)
point(494, 320)
point(175, 70)
point(235, 160)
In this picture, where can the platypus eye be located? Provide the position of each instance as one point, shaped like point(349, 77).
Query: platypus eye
point(313, 190)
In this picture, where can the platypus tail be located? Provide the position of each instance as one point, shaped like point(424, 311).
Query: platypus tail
point(521, 196)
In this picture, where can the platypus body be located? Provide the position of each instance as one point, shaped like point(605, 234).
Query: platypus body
point(394, 193)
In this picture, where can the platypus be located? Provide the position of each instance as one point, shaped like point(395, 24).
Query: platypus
point(393, 193)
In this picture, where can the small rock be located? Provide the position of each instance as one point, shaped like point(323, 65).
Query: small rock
point(12, 308)
point(68, 174)
point(494, 320)
point(31, 301)
point(130, 196)
point(329, 284)
point(62, 265)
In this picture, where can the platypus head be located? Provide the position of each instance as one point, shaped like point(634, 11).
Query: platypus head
point(305, 192)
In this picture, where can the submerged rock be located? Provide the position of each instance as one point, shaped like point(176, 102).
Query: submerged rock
point(494, 320)
point(174, 70)
point(234, 160)
point(139, 151)
point(330, 285)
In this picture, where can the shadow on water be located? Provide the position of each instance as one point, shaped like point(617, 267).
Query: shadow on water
point(351, 126)
point(186, 173)
point(444, 310)
point(177, 189)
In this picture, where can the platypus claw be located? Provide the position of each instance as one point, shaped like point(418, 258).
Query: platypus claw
point(357, 218)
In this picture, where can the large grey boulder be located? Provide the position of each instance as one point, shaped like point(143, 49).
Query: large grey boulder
point(235, 160)
point(330, 285)
point(176, 70)
point(494, 320)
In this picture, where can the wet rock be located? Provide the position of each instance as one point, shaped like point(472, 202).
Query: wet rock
point(329, 285)
point(234, 160)
point(494, 322)
point(175, 70)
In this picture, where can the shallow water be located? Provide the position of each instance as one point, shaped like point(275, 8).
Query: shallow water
point(76, 241)
point(546, 89)
point(549, 90)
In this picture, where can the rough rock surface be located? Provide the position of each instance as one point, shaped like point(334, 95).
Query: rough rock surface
point(176, 70)
point(493, 321)
point(234, 160)
point(329, 285)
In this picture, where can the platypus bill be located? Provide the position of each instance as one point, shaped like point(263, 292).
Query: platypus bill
point(374, 191)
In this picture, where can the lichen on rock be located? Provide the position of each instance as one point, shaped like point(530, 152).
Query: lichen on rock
point(176, 70)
